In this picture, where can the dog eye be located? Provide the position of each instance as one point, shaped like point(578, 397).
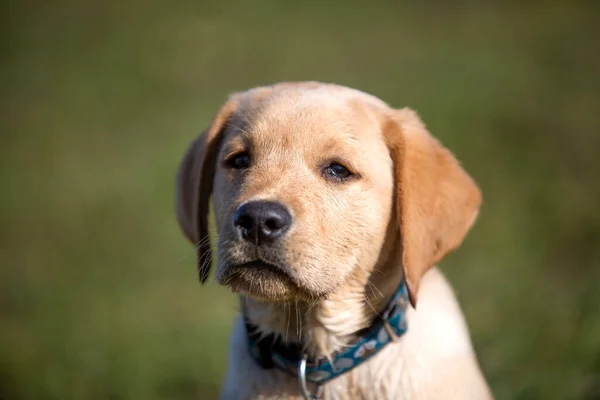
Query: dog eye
point(239, 161)
point(337, 171)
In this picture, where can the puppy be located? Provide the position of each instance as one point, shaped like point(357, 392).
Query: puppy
point(332, 209)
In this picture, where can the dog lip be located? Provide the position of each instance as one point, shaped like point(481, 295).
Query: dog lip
point(261, 268)
point(260, 265)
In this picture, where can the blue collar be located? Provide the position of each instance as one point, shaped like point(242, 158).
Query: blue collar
point(271, 351)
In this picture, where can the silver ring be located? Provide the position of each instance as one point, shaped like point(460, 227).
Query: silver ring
point(302, 380)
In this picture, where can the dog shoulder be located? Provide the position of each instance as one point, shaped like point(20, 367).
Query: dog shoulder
point(438, 321)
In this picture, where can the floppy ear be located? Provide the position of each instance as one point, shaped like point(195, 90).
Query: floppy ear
point(194, 186)
point(437, 201)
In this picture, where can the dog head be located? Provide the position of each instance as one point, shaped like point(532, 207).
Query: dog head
point(308, 180)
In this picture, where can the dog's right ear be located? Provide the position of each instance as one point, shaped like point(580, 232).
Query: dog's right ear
point(194, 187)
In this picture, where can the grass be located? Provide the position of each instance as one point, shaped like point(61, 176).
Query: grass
point(98, 295)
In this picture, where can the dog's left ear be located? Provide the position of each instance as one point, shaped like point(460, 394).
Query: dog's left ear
point(437, 201)
point(194, 186)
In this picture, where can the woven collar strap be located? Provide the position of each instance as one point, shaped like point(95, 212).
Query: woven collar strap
point(271, 351)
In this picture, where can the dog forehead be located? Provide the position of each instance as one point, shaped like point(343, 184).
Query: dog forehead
point(295, 115)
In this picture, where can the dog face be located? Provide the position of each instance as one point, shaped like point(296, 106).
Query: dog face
point(307, 181)
point(302, 194)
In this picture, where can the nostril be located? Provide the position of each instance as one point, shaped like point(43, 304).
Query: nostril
point(273, 224)
point(244, 221)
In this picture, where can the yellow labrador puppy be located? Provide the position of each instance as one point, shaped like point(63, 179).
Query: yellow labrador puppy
point(332, 209)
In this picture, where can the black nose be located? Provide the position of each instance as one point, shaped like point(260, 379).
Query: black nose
point(262, 221)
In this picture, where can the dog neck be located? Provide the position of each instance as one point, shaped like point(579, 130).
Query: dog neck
point(328, 325)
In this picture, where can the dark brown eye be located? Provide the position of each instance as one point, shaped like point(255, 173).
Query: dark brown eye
point(239, 161)
point(337, 171)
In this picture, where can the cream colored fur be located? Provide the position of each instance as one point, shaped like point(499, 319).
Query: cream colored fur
point(405, 206)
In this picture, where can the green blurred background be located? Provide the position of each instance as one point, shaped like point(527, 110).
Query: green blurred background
point(98, 291)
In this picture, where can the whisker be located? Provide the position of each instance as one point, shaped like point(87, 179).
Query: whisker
point(298, 323)
point(374, 288)
point(312, 304)
point(288, 312)
point(371, 306)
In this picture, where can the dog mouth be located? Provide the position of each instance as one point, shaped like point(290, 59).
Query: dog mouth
point(262, 268)
point(258, 278)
